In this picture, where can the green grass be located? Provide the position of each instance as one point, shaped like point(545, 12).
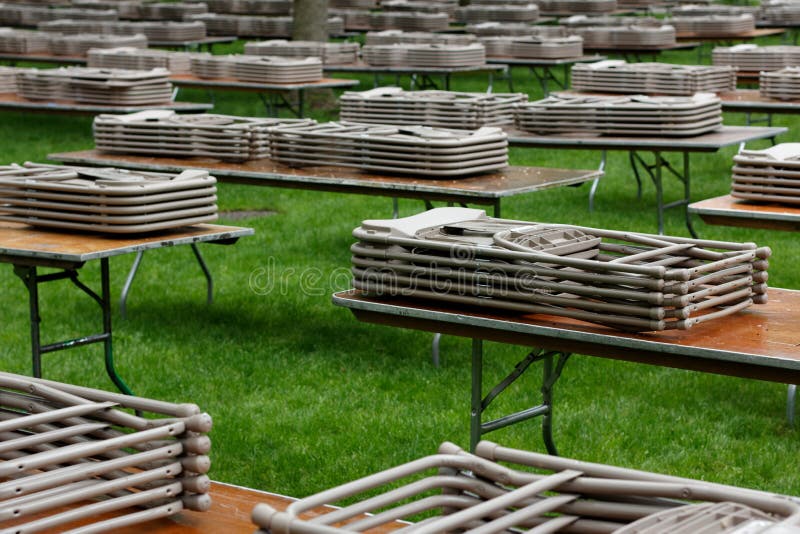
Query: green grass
point(304, 396)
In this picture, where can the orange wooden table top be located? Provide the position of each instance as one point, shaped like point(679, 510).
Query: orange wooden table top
point(760, 342)
point(729, 211)
point(20, 240)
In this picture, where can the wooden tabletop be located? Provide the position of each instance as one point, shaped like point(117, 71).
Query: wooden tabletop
point(229, 514)
point(482, 188)
point(44, 58)
point(751, 100)
point(645, 49)
point(544, 62)
point(212, 39)
point(706, 37)
point(760, 342)
point(189, 80)
point(740, 100)
point(14, 101)
point(709, 142)
point(729, 211)
point(396, 69)
point(20, 241)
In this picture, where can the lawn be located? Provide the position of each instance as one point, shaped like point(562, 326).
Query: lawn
point(304, 397)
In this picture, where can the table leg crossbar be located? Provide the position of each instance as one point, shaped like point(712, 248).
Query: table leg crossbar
point(640, 56)
point(421, 82)
point(31, 278)
point(765, 119)
point(544, 75)
point(274, 101)
point(655, 172)
point(553, 364)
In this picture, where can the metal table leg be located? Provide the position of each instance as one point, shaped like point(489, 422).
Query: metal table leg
point(206, 273)
point(553, 364)
point(301, 105)
point(687, 195)
point(105, 303)
point(791, 392)
point(546, 76)
point(31, 278)
point(659, 192)
point(655, 171)
point(123, 298)
point(267, 105)
point(596, 181)
point(28, 275)
point(435, 345)
point(476, 397)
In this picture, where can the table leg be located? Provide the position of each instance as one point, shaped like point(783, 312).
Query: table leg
point(509, 74)
point(476, 401)
point(301, 103)
point(655, 171)
point(552, 369)
point(105, 304)
point(267, 104)
point(687, 195)
point(596, 181)
point(28, 275)
point(791, 392)
point(123, 299)
point(546, 76)
point(31, 279)
point(206, 273)
point(435, 346)
point(551, 374)
point(659, 192)
point(634, 157)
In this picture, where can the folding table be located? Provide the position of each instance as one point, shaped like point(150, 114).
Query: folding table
point(542, 69)
point(28, 249)
point(745, 101)
point(710, 142)
point(276, 89)
point(724, 39)
point(42, 58)
point(421, 77)
point(759, 342)
point(729, 211)
point(749, 101)
point(14, 102)
point(640, 53)
point(194, 45)
point(482, 189)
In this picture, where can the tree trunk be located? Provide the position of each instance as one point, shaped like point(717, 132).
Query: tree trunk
point(310, 20)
